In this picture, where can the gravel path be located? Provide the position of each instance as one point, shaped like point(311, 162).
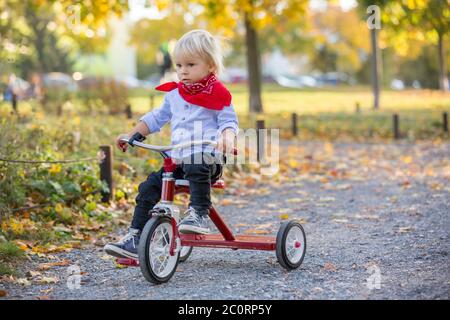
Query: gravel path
point(368, 210)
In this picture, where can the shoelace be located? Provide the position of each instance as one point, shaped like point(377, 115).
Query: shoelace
point(127, 237)
point(193, 216)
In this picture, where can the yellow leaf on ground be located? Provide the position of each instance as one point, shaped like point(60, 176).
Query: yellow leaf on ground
point(256, 231)
point(407, 159)
point(48, 265)
point(405, 229)
point(295, 200)
point(120, 266)
point(47, 280)
point(226, 202)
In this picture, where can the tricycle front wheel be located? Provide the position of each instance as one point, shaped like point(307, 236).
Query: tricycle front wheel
point(291, 245)
point(157, 265)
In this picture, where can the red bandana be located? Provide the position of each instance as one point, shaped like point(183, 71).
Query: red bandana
point(209, 92)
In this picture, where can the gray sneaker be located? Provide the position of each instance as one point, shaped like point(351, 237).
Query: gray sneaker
point(125, 247)
point(194, 223)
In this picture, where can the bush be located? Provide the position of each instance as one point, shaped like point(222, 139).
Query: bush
point(103, 95)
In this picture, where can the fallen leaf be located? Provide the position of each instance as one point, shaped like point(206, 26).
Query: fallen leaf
point(327, 199)
point(3, 293)
point(256, 231)
point(301, 220)
point(284, 216)
point(47, 291)
point(43, 297)
point(48, 265)
point(33, 274)
point(62, 229)
point(23, 282)
point(120, 266)
point(226, 202)
point(405, 229)
point(46, 280)
point(330, 267)
point(342, 220)
point(295, 200)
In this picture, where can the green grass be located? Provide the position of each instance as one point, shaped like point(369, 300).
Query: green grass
point(9, 250)
point(323, 113)
point(9, 254)
point(277, 99)
point(7, 269)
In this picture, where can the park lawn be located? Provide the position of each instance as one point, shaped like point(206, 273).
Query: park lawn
point(277, 99)
point(331, 113)
point(323, 113)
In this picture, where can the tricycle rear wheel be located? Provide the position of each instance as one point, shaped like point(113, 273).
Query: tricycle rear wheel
point(291, 245)
point(185, 252)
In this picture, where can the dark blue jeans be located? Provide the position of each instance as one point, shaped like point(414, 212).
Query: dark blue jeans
point(200, 177)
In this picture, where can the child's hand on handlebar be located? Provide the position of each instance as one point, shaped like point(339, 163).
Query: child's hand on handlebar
point(225, 142)
point(121, 144)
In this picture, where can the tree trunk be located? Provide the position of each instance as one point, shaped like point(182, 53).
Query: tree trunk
point(375, 68)
point(253, 66)
point(443, 79)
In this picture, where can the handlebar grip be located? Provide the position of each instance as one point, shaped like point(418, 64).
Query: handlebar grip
point(136, 137)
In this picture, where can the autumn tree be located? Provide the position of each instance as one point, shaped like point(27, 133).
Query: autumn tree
point(254, 16)
point(407, 21)
point(42, 34)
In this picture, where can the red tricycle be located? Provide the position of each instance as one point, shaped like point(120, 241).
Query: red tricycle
point(161, 247)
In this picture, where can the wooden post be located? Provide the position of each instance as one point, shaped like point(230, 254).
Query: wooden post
point(14, 102)
point(106, 173)
point(128, 111)
point(260, 126)
point(445, 121)
point(396, 126)
point(294, 124)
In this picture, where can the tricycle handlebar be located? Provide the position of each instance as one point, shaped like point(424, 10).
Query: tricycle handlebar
point(134, 142)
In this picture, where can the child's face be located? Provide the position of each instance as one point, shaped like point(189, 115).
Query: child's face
point(191, 69)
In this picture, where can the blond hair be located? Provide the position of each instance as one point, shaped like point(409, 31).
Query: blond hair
point(201, 43)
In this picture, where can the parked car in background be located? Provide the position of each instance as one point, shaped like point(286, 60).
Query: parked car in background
point(58, 80)
point(296, 81)
point(234, 75)
point(333, 79)
point(397, 84)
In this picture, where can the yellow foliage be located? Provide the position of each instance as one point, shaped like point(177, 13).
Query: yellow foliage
point(55, 168)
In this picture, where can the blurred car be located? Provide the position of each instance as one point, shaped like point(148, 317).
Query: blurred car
point(416, 84)
point(153, 80)
point(397, 84)
point(234, 75)
point(294, 81)
point(333, 78)
point(58, 80)
point(130, 82)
